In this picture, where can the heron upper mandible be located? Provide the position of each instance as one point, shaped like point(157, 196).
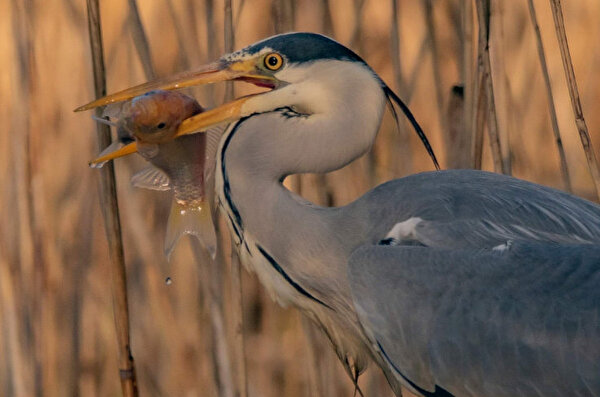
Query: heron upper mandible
point(456, 283)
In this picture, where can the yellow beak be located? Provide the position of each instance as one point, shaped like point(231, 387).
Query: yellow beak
point(124, 151)
point(214, 72)
point(222, 114)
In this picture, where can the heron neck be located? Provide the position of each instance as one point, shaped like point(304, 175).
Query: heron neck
point(304, 238)
point(326, 127)
point(311, 244)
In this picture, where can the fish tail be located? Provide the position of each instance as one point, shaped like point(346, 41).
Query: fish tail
point(191, 219)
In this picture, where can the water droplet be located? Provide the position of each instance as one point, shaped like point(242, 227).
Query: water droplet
point(168, 281)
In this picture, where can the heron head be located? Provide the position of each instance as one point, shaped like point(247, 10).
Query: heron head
point(280, 61)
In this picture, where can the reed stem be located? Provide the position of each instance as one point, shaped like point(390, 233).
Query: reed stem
point(479, 118)
point(239, 347)
point(467, 77)
point(437, 77)
point(110, 213)
point(553, 118)
point(395, 49)
point(219, 346)
point(504, 111)
point(140, 40)
point(238, 323)
point(483, 16)
point(565, 54)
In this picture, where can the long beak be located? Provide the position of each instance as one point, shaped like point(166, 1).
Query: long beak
point(218, 71)
point(225, 113)
point(124, 151)
point(211, 73)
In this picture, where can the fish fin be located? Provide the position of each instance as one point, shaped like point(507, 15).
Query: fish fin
point(213, 137)
point(191, 219)
point(151, 178)
point(104, 121)
point(114, 110)
point(109, 149)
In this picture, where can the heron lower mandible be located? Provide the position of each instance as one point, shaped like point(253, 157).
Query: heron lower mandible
point(462, 283)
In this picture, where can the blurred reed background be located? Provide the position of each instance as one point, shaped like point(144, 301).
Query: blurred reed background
point(57, 336)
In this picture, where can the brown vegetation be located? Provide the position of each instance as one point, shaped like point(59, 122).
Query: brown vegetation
point(57, 333)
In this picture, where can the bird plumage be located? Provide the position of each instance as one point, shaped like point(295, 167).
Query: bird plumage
point(479, 322)
point(461, 211)
point(488, 285)
point(326, 261)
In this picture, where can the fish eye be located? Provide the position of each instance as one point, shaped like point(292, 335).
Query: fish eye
point(160, 126)
point(273, 61)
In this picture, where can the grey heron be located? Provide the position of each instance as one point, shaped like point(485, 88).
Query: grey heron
point(462, 283)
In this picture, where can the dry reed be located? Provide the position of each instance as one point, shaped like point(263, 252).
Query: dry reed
point(502, 89)
point(395, 49)
point(237, 315)
point(467, 81)
point(483, 60)
point(435, 62)
point(219, 346)
point(458, 141)
point(479, 118)
point(140, 40)
point(554, 120)
point(172, 337)
point(582, 128)
point(110, 212)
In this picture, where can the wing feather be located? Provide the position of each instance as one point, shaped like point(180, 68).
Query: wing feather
point(468, 209)
point(521, 322)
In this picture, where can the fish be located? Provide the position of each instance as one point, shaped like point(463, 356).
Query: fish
point(183, 165)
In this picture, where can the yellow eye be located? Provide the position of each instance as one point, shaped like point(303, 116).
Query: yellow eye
point(273, 61)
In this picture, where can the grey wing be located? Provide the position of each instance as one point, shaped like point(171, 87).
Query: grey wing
point(474, 209)
point(485, 323)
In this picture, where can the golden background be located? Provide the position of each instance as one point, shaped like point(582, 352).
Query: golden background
point(57, 336)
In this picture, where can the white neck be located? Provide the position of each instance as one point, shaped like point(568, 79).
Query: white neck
point(310, 243)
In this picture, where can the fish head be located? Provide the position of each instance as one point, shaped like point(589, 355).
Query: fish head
point(154, 117)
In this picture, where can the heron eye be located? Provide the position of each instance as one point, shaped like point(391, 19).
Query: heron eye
point(161, 126)
point(273, 61)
